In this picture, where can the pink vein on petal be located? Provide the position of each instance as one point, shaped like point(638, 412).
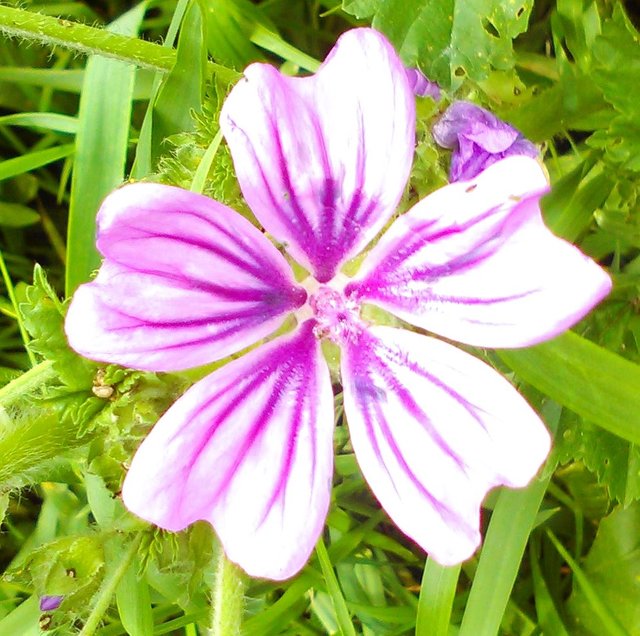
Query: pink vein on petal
point(249, 449)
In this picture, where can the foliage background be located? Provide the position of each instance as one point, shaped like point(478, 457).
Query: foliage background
point(560, 557)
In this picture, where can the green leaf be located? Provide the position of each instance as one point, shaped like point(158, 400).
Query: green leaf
point(43, 316)
point(17, 215)
point(361, 8)
point(570, 206)
point(612, 570)
point(101, 149)
point(614, 461)
point(134, 602)
point(449, 39)
point(617, 68)
point(599, 385)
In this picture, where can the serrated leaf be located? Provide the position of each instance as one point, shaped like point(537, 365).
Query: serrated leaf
point(43, 318)
point(34, 438)
point(614, 461)
point(449, 39)
point(617, 54)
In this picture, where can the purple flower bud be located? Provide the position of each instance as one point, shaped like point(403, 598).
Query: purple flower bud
point(478, 139)
point(49, 603)
point(421, 85)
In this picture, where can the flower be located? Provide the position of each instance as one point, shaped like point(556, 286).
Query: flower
point(421, 85)
point(323, 162)
point(49, 603)
point(478, 139)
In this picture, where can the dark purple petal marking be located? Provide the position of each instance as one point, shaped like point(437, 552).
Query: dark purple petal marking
point(289, 370)
point(321, 186)
point(434, 429)
point(185, 280)
point(463, 263)
point(249, 449)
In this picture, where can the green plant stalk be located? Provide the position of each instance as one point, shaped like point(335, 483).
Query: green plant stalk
point(333, 587)
point(12, 297)
point(89, 40)
point(437, 593)
point(108, 588)
point(227, 597)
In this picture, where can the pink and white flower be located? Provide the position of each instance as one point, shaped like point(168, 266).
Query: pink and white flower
point(323, 162)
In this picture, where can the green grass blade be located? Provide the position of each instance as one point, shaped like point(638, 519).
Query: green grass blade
point(33, 160)
point(67, 80)
point(339, 603)
point(49, 121)
point(548, 615)
point(597, 384)
point(101, 148)
point(182, 91)
point(504, 545)
point(606, 616)
point(437, 592)
point(143, 162)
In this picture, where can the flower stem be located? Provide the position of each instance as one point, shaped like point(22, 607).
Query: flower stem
point(108, 589)
point(89, 40)
point(227, 597)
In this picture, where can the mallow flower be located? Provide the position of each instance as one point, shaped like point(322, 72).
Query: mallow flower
point(322, 161)
point(478, 139)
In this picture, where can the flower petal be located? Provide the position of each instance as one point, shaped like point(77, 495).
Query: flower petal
point(185, 281)
point(474, 262)
point(478, 139)
point(323, 160)
point(433, 429)
point(249, 449)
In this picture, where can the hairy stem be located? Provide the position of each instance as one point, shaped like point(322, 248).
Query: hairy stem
point(89, 40)
point(227, 597)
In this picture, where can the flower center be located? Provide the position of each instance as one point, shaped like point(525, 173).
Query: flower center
point(337, 316)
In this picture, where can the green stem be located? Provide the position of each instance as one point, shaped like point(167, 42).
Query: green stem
point(27, 382)
point(12, 297)
point(89, 40)
point(108, 589)
point(227, 597)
